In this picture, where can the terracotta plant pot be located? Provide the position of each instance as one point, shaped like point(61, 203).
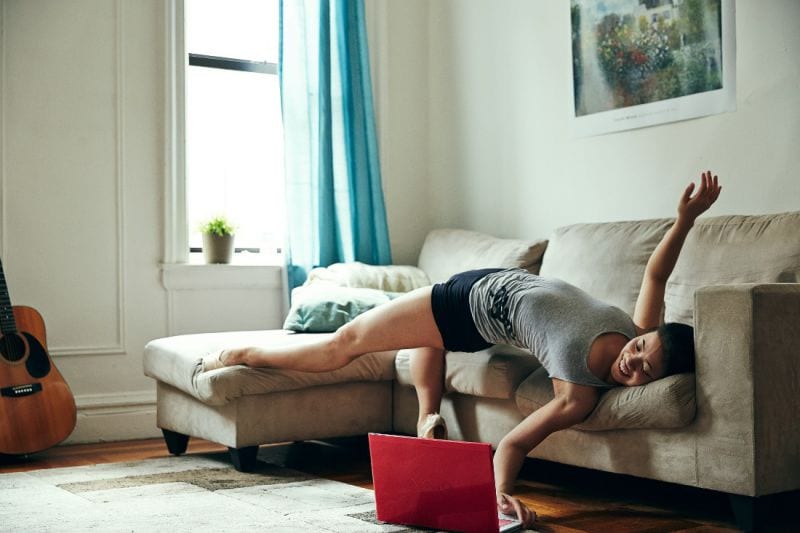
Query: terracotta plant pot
point(217, 248)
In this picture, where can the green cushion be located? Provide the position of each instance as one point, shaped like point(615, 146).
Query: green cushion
point(322, 308)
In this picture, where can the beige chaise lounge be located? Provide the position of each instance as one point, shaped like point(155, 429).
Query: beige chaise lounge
point(732, 426)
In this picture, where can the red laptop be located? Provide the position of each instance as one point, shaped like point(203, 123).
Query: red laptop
point(439, 484)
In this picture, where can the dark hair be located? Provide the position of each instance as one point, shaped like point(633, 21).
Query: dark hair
point(677, 344)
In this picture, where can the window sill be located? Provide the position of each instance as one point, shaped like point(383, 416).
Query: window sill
point(244, 273)
point(242, 258)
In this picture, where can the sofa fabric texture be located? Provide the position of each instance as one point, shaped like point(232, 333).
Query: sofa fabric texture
point(607, 260)
point(733, 249)
point(748, 386)
point(177, 361)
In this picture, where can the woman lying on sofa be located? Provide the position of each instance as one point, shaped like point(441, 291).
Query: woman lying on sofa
point(586, 346)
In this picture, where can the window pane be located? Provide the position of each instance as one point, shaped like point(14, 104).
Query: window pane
point(241, 29)
point(234, 154)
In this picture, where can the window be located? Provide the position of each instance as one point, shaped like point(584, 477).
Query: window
point(233, 132)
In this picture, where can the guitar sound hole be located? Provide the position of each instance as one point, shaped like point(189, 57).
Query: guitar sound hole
point(38, 363)
point(12, 347)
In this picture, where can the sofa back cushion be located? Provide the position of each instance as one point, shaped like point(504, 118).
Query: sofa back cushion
point(449, 251)
point(733, 249)
point(607, 259)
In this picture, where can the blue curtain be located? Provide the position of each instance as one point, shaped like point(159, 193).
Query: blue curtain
point(335, 202)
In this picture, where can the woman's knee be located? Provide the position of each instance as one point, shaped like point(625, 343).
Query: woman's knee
point(345, 342)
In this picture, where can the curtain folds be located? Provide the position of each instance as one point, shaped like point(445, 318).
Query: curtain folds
point(335, 204)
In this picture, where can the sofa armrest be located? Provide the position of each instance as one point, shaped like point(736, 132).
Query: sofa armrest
point(748, 387)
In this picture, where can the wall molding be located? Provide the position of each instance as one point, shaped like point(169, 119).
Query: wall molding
point(115, 400)
point(87, 350)
point(176, 277)
point(120, 126)
point(176, 228)
point(119, 75)
point(176, 237)
point(115, 416)
point(119, 133)
point(3, 92)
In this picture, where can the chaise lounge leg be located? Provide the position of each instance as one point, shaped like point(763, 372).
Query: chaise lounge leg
point(744, 511)
point(244, 459)
point(176, 442)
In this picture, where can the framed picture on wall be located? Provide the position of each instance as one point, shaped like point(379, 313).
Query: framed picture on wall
point(638, 63)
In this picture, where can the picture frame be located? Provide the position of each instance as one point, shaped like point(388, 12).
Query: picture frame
point(639, 63)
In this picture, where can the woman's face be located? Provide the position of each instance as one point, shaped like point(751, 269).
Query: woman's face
point(640, 361)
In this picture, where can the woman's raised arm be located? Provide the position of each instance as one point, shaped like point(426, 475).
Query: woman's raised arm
point(647, 313)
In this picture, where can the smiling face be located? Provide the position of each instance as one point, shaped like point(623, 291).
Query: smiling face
point(640, 361)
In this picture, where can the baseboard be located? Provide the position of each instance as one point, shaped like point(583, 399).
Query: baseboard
point(117, 416)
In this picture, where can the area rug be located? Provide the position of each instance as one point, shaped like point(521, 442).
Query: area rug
point(182, 494)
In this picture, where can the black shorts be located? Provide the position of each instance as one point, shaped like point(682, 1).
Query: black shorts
point(450, 304)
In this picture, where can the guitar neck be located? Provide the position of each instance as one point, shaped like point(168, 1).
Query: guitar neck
point(7, 322)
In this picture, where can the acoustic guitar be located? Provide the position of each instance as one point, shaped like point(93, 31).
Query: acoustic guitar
point(37, 409)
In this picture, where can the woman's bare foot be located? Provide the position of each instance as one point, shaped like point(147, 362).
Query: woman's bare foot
point(221, 358)
point(432, 426)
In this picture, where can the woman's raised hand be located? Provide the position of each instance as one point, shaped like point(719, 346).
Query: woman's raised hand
point(692, 206)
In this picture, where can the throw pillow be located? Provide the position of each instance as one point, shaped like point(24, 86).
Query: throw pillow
point(324, 308)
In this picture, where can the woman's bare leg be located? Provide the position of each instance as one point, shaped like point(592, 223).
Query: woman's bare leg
point(406, 322)
point(427, 373)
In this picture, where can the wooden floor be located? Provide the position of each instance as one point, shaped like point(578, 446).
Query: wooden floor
point(567, 499)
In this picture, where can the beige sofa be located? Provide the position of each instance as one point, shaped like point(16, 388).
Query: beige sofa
point(731, 426)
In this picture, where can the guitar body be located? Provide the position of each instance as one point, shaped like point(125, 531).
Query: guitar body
point(37, 409)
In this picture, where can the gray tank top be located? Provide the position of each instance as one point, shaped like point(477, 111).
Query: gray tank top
point(556, 321)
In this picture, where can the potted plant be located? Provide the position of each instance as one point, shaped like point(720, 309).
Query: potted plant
point(218, 236)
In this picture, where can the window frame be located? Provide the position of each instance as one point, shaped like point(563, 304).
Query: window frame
point(176, 238)
point(230, 63)
point(177, 61)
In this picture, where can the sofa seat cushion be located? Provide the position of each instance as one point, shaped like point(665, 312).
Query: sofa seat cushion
point(449, 251)
point(663, 404)
point(607, 260)
point(492, 373)
point(177, 362)
point(733, 249)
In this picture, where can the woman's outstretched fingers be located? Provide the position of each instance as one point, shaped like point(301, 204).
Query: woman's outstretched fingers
point(513, 506)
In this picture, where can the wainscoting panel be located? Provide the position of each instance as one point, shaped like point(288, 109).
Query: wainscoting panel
point(62, 169)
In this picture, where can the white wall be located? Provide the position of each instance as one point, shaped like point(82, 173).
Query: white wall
point(398, 40)
point(501, 155)
point(82, 179)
